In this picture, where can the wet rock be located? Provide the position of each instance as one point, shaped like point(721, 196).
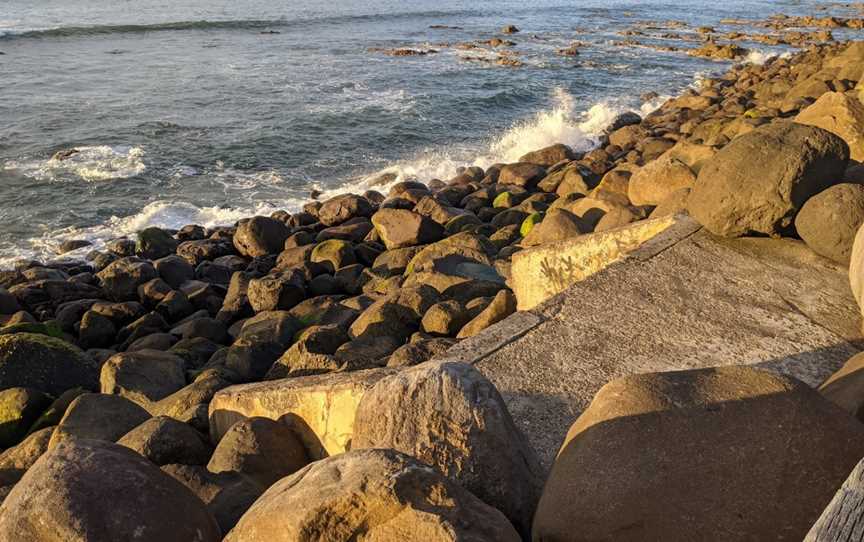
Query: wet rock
point(260, 448)
point(400, 228)
point(473, 441)
point(549, 156)
point(154, 243)
point(65, 494)
point(260, 236)
point(374, 495)
point(345, 207)
point(122, 278)
point(732, 198)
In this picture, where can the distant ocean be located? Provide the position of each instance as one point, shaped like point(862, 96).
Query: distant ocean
point(191, 111)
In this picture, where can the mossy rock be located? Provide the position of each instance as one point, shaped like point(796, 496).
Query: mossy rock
point(503, 200)
point(50, 328)
point(529, 223)
point(19, 408)
point(337, 252)
point(45, 363)
point(459, 223)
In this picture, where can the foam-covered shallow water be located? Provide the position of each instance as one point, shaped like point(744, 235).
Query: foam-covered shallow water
point(205, 112)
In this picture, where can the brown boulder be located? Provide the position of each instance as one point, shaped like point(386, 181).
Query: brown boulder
point(655, 182)
point(829, 221)
point(841, 115)
point(370, 495)
point(733, 453)
point(399, 228)
point(260, 236)
point(549, 156)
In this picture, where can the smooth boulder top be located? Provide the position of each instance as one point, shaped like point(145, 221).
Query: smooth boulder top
point(730, 453)
point(375, 495)
point(101, 492)
point(45, 363)
point(829, 221)
point(759, 181)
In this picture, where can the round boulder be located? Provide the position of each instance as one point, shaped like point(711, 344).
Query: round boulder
point(759, 181)
point(45, 363)
point(93, 490)
point(260, 236)
point(370, 495)
point(829, 221)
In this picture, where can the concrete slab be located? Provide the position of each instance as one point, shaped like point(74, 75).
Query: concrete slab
point(679, 302)
point(319, 408)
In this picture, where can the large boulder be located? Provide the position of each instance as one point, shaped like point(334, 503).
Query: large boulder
point(122, 278)
point(143, 376)
point(655, 182)
point(400, 228)
point(759, 181)
point(726, 453)
point(557, 225)
point(99, 491)
point(260, 448)
point(260, 236)
point(522, 174)
point(473, 440)
point(164, 440)
point(339, 209)
point(370, 495)
point(227, 494)
point(549, 156)
point(98, 416)
point(280, 290)
point(154, 243)
point(841, 115)
point(829, 221)
point(19, 408)
point(45, 363)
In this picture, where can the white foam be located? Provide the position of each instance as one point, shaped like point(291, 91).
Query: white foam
point(759, 57)
point(89, 163)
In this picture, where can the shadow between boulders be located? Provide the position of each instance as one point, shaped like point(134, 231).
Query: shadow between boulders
point(813, 367)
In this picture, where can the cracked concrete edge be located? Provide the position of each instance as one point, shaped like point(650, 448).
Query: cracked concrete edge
point(517, 325)
point(493, 338)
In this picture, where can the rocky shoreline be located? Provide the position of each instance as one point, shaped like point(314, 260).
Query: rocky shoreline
point(108, 367)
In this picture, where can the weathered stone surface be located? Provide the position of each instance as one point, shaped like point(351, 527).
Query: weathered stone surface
point(320, 409)
point(521, 174)
point(164, 440)
point(280, 290)
point(313, 353)
point(371, 495)
point(829, 221)
point(694, 428)
point(122, 278)
point(541, 272)
point(100, 417)
point(841, 115)
point(502, 306)
point(19, 408)
point(144, 376)
point(400, 228)
point(21, 457)
point(734, 197)
point(445, 318)
point(66, 494)
point(260, 448)
point(473, 440)
point(667, 307)
point(655, 182)
point(557, 225)
point(384, 318)
point(260, 236)
point(337, 210)
point(845, 388)
point(839, 521)
point(549, 156)
point(227, 495)
point(45, 363)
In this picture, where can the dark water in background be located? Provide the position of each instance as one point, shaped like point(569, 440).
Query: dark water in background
point(185, 112)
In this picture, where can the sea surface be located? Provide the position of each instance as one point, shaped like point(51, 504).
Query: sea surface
point(193, 111)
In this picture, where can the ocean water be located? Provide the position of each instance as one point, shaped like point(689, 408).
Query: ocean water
point(193, 111)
